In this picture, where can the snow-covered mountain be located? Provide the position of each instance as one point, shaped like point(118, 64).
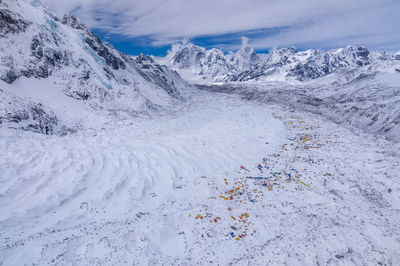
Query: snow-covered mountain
point(350, 85)
point(244, 58)
point(56, 75)
point(286, 64)
point(290, 64)
point(193, 61)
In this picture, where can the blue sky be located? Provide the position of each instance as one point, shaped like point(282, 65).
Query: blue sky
point(132, 45)
point(151, 26)
point(143, 44)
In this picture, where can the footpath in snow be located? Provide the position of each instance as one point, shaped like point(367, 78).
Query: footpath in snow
point(222, 181)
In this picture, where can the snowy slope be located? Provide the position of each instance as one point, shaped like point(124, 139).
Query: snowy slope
point(60, 65)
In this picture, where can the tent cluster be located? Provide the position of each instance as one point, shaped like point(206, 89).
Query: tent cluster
point(249, 188)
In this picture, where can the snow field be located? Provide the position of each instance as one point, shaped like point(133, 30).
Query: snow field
point(308, 191)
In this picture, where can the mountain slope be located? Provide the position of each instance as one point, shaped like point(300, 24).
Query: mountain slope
point(44, 58)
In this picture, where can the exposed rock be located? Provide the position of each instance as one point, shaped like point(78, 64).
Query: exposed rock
point(159, 74)
point(97, 45)
point(11, 22)
point(73, 22)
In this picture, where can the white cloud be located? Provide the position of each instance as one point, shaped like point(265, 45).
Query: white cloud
point(245, 40)
point(306, 21)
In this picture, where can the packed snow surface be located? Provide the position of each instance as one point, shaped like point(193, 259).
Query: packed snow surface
point(220, 181)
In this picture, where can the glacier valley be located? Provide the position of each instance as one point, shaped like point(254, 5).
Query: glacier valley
point(197, 158)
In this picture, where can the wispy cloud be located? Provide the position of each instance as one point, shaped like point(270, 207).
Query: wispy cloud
point(326, 23)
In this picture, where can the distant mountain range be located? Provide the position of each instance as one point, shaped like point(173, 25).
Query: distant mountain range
point(286, 64)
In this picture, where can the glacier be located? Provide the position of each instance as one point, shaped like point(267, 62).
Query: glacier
point(197, 158)
point(350, 85)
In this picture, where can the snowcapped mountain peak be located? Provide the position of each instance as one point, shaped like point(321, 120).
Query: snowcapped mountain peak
point(357, 54)
point(283, 51)
point(214, 56)
point(73, 22)
point(186, 55)
point(210, 64)
point(200, 62)
point(245, 57)
point(281, 56)
point(287, 50)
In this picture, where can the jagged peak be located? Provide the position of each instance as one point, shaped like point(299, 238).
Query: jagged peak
point(178, 47)
point(216, 52)
point(245, 50)
point(350, 49)
point(355, 47)
point(286, 50)
point(73, 22)
point(186, 43)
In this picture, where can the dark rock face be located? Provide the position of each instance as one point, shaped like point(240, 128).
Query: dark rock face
point(362, 52)
point(45, 123)
point(308, 71)
point(253, 73)
point(189, 55)
point(49, 56)
point(110, 59)
point(46, 59)
point(35, 118)
point(73, 22)
point(198, 57)
point(157, 74)
point(11, 23)
point(9, 77)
